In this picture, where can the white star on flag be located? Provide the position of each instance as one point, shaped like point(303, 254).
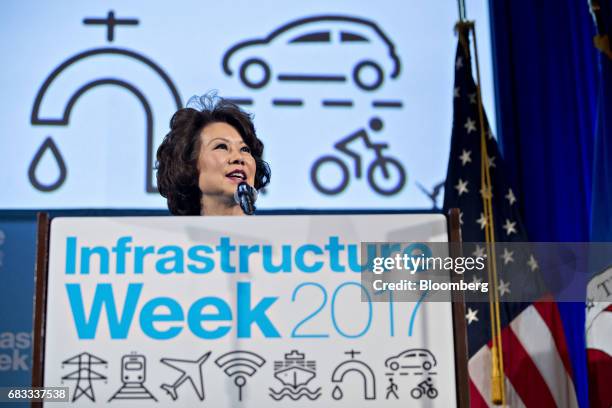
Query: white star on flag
point(459, 63)
point(479, 252)
point(470, 125)
point(510, 196)
point(490, 134)
point(482, 221)
point(504, 287)
point(472, 97)
point(491, 161)
point(508, 256)
point(465, 157)
point(456, 92)
point(471, 315)
point(462, 187)
point(532, 263)
point(509, 227)
point(461, 217)
point(476, 280)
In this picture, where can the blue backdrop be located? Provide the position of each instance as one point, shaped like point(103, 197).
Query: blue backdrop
point(17, 242)
point(546, 71)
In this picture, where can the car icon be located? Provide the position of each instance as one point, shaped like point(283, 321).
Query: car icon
point(412, 359)
point(326, 48)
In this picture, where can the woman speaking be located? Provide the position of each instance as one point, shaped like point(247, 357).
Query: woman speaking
point(210, 151)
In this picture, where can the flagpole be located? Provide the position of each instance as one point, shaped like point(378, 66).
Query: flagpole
point(498, 394)
point(462, 13)
point(497, 384)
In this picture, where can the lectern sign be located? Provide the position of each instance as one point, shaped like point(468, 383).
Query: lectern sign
point(239, 311)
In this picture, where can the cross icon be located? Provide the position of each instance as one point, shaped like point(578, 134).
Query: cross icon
point(110, 22)
point(352, 353)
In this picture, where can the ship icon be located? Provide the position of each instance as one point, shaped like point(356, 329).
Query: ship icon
point(295, 372)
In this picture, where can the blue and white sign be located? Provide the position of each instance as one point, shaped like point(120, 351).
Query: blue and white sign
point(239, 311)
point(17, 260)
point(352, 99)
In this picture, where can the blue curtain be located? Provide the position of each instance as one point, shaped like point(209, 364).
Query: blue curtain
point(601, 206)
point(546, 74)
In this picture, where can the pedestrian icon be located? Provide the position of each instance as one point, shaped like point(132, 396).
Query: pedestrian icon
point(392, 389)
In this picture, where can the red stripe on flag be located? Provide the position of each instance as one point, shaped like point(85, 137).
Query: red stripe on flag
point(600, 372)
point(549, 312)
point(523, 373)
point(476, 399)
point(609, 308)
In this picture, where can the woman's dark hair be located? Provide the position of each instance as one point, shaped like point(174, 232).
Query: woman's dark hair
point(177, 156)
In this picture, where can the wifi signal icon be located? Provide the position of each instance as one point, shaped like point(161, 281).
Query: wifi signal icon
point(239, 365)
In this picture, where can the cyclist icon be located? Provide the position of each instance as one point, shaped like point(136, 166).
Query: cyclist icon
point(424, 387)
point(391, 170)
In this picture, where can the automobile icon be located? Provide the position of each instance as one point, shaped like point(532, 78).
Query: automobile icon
point(327, 48)
point(413, 359)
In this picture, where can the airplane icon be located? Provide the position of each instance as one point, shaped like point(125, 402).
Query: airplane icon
point(190, 370)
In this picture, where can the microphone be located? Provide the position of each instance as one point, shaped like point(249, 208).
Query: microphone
point(245, 196)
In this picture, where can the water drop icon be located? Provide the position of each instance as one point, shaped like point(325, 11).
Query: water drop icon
point(48, 150)
point(337, 393)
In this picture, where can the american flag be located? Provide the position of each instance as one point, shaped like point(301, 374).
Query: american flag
point(537, 368)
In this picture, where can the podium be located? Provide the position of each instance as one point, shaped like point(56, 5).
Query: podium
point(240, 311)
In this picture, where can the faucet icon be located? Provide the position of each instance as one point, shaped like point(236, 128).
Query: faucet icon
point(359, 367)
point(110, 66)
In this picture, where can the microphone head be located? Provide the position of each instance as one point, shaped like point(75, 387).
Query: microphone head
point(245, 189)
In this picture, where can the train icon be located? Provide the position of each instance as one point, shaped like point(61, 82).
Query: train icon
point(133, 369)
point(133, 376)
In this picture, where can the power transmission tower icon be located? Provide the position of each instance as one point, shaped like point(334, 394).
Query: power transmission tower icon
point(84, 375)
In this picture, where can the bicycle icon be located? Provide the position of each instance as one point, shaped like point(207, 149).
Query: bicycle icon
point(390, 168)
point(424, 387)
